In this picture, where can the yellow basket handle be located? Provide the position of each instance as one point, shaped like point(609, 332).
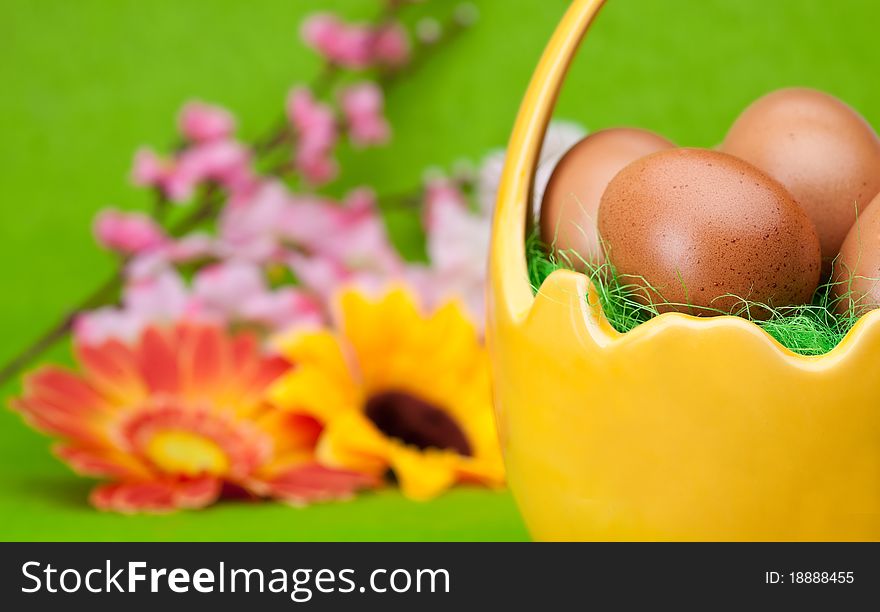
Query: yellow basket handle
point(509, 286)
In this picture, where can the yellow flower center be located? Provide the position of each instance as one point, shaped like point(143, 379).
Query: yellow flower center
point(186, 453)
point(416, 422)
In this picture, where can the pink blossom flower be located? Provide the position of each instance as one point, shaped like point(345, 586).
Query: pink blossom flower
point(251, 228)
point(347, 45)
point(560, 137)
point(320, 275)
point(352, 233)
point(342, 244)
point(226, 293)
point(361, 240)
point(458, 245)
point(98, 326)
point(221, 288)
point(193, 246)
point(391, 45)
point(356, 46)
point(273, 220)
point(317, 133)
point(200, 122)
point(325, 276)
point(488, 179)
point(262, 227)
point(146, 265)
point(282, 309)
point(127, 233)
point(316, 166)
point(440, 193)
point(237, 291)
point(161, 299)
point(362, 105)
point(458, 235)
point(149, 169)
point(224, 162)
point(190, 248)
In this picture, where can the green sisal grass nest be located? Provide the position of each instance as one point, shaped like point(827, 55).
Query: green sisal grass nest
point(808, 329)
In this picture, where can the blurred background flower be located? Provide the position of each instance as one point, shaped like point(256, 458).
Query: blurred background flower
point(179, 418)
point(400, 390)
point(260, 246)
point(365, 153)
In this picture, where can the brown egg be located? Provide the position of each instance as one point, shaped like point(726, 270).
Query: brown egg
point(568, 209)
point(700, 227)
point(820, 149)
point(857, 269)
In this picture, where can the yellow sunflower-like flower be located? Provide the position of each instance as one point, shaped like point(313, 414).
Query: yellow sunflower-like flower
point(399, 391)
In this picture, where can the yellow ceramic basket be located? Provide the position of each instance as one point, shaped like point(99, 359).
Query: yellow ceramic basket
point(682, 429)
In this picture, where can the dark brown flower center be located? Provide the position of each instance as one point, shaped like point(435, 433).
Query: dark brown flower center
point(415, 421)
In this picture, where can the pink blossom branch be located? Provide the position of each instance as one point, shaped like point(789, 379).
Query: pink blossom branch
point(210, 200)
point(108, 291)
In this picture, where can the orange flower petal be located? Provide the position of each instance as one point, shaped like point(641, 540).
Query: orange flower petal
point(158, 363)
point(208, 360)
point(101, 463)
point(112, 368)
point(51, 418)
point(178, 417)
point(312, 483)
point(183, 333)
point(268, 371)
point(156, 496)
point(66, 391)
point(197, 493)
point(244, 352)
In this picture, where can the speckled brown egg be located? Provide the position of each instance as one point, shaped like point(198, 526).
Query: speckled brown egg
point(820, 149)
point(570, 202)
point(700, 227)
point(857, 269)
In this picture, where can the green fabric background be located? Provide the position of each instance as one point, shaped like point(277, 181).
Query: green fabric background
point(83, 83)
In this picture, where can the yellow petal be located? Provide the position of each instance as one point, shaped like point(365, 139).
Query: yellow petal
point(320, 383)
point(378, 332)
point(351, 441)
point(315, 392)
point(481, 470)
point(320, 349)
point(423, 475)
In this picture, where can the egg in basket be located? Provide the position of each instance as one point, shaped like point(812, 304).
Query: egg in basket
point(685, 427)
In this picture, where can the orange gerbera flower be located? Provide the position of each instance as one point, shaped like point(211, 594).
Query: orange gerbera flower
point(177, 419)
